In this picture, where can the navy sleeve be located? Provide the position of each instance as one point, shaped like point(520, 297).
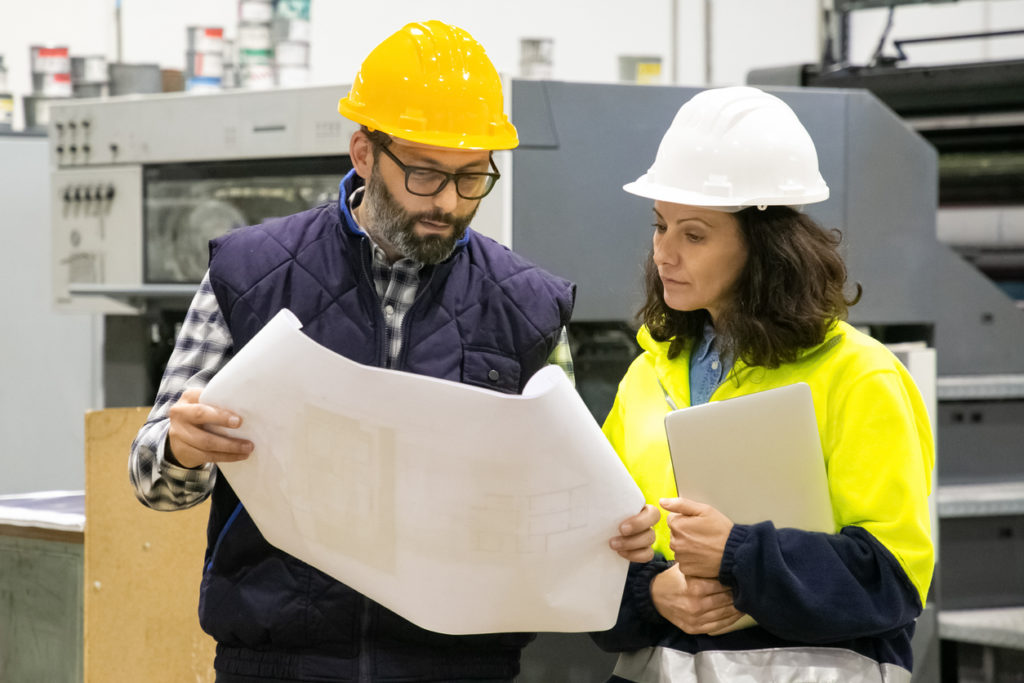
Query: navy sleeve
point(639, 624)
point(815, 587)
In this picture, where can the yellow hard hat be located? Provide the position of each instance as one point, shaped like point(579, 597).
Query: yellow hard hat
point(431, 83)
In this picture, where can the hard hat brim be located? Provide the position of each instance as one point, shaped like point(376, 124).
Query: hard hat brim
point(664, 193)
point(504, 137)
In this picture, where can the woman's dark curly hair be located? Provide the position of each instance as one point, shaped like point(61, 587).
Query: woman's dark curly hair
point(788, 294)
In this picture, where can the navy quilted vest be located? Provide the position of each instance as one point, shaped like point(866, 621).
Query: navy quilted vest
point(485, 317)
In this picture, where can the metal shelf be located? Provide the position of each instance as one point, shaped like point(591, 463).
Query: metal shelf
point(134, 291)
point(981, 500)
point(980, 387)
point(995, 627)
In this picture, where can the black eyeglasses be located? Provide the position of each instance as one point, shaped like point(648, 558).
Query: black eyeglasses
point(426, 182)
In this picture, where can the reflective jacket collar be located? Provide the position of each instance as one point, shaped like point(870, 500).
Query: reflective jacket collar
point(677, 374)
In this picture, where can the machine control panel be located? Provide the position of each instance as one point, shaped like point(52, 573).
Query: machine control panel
point(96, 237)
point(88, 193)
point(177, 127)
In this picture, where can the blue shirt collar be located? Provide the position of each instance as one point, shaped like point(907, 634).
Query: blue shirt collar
point(705, 345)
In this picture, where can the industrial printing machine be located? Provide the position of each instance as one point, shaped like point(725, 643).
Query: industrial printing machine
point(140, 184)
point(973, 115)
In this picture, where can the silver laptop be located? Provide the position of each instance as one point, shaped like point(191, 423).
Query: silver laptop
point(755, 458)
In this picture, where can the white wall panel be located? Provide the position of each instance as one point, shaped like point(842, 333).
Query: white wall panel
point(748, 35)
point(48, 360)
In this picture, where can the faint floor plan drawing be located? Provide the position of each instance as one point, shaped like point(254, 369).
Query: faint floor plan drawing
point(346, 493)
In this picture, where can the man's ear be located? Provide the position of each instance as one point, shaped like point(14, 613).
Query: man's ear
point(360, 150)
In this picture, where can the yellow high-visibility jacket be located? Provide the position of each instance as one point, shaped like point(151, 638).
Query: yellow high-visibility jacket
point(879, 454)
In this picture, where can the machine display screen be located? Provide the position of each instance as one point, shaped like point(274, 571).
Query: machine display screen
point(188, 204)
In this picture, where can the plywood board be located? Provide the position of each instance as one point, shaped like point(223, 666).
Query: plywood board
point(142, 569)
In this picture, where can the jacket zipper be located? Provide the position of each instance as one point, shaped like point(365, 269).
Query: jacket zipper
point(222, 534)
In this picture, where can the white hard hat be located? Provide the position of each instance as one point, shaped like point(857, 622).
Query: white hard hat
point(730, 148)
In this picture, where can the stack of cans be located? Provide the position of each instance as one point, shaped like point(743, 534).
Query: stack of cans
point(6, 100)
point(255, 47)
point(89, 76)
point(51, 71)
point(204, 61)
point(51, 79)
point(291, 32)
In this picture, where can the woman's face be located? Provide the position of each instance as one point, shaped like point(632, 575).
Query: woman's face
point(699, 254)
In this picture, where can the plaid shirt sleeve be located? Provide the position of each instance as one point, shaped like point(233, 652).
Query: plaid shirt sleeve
point(202, 348)
point(561, 356)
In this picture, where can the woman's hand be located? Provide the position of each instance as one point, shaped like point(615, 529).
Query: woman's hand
point(637, 536)
point(693, 604)
point(699, 533)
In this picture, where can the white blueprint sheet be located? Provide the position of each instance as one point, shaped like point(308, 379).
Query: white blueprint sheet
point(461, 509)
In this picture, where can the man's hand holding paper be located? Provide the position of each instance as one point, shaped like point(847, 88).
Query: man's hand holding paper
point(192, 444)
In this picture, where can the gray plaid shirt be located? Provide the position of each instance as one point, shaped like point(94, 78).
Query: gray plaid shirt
point(202, 348)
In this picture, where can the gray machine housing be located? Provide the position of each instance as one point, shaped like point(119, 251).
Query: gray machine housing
point(581, 142)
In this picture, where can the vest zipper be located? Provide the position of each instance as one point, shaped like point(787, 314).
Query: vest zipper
point(365, 258)
point(365, 656)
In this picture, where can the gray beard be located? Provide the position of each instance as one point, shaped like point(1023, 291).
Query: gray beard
point(387, 220)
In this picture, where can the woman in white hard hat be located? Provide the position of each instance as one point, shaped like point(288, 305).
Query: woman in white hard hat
point(746, 293)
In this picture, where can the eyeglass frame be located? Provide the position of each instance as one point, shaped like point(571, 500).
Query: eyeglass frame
point(408, 169)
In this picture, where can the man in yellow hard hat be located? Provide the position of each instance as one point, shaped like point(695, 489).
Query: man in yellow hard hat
point(390, 276)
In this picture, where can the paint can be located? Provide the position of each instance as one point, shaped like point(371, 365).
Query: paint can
point(292, 9)
point(256, 76)
point(205, 38)
point(51, 84)
point(126, 79)
point(88, 89)
point(89, 69)
point(172, 80)
point(51, 72)
point(246, 57)
point(255, 11)
point(50, 60)
point(253, 36)
point(198, 84)
point(291, 53)
point(290, 29)
point(292, 76)
point(6, 111)
point(204, 65)
point(37, 110)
